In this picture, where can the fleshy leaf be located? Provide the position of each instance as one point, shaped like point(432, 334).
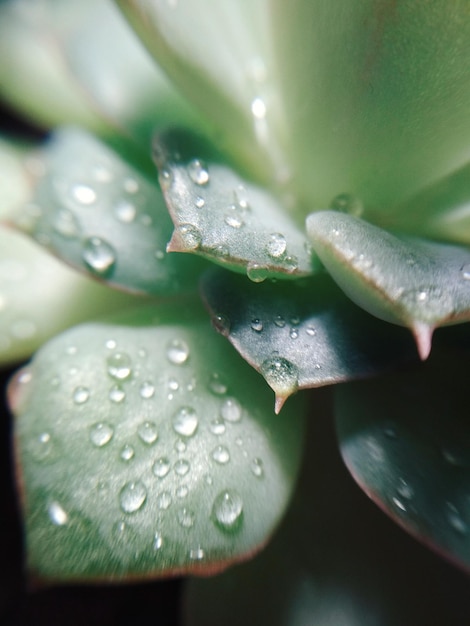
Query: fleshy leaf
point(377, 94)
point(336, 561)
point(222, 216)
point(411, 282)
point(303, 334)
point(147, 447)
point(405, 440)
point(221, 58)
point(101, 216)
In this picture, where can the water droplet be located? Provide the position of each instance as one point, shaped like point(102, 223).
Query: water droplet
point(347, 203)
point(399, 504)
point(217, 385)
point(132, 496)
point(157, 541)
point(456, 454)
point(81, 395)
point(101, 434)
point(125, 211)
point(186, 518)
point(159, 255)
point(234, 217)
point(57, 514)
point(165, 178)
point(279, 321)
point(258, 108)
point(217, 426)
point(221, 455)
point(294, 333)
point(180, 446)
point(127, 453)
point(111, 344)
point(161, 467)
point(117, 394)
point(455, 519)
point(173, 384)
point(131, 185)
point(196, 554)
point(177, 352)
point(310, 330)
point(231, 410)
point(164, 500)
point(257, 325)
point(200, 202)
point(257, 467)
point(66, 224)
point(290, 263)
point(427, 303)
point(42, 448)
point(222, 324)
point(182, 492)
point(185, 421)
point(181, 467)
point(98, 255)
point(198, 172)
point(227, 509)
point(147, 390)
point(465, 271)
point(147, 432)
point(404, 489)
point(84, 194)
point(281, 374)
point(119, 365)
point(276, 245)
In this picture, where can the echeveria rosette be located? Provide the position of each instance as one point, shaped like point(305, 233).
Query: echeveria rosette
point(356, 115)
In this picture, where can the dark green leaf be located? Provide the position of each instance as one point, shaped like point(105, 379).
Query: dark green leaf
point(303, 334)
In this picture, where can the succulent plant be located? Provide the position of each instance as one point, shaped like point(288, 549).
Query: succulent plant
point(308, 227)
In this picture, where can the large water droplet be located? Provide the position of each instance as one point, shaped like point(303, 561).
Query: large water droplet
point(147, 390)
point(190, 236)
point(117, 394)
point(276, 245)
point(181, 467)
point(161, 467)
point(99, 256)
point(256, 325)
point(217, 426)
point(257, 273)
point(83, 194)
point(119, 365)
point(221, 455)
point(231, 410)
point(281, 374)
point(185, 421)
point(227, 509)
point(147, 432)
point(177, 352)
point(279, 321)
point(101, 434)
point(347, 203)
point(186, 518)
point(81, 395)
point(198, 172)
point(132, 496)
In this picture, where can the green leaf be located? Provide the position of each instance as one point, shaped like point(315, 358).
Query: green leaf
point(405, 440)
point(441, 211)
point(147, 447)
point(221, 216)
point(98, 214)
point(300, 335)
point(411, 282)
point(221, 58)
point(336, 561)
point(377, 94)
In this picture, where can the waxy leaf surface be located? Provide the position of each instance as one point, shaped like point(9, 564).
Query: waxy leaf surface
point(406, 281)
point(147, 447)
point(301, 334)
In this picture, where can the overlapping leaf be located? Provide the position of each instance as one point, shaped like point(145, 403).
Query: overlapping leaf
point(405, 440)
point(411, 282)
point(147, 447)
point(103, 217)
point(300, 335)
point(222, 216)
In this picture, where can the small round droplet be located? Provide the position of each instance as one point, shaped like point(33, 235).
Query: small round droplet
point(256, 325)
point(310, 330)
point(347, 203)
point(132, 496)
point(198, 172)
point(221, 455)
point(81, 395)
point(161, 467)
point(181, 492)
point(147, 390)
point(127, 453)
point(231, 410)
point(42, 448)
point(84, 194)
point(181, 467)
point(279, 321)
point(276, 245)
point(217, 426)
point(177, 352)
point(131, 185)
point(200, 202)
point(227, 509)
point(257, 467)
point(257, 273)
point(110, 344)
point(291, 263)
point(190, 236)
point(217, 385)
point(164, 500)
point(222, 324)
point(234, 217)
point(101, 434)
point(157, 541)
point(180, 446)
point(125, 211)
point(281, 374)
point(99, 256)
point(186, 518)
point(147, 432)
point(185, 421)
point(119, 365)
point(117, 394)
point(465, 271)
point(294, 333)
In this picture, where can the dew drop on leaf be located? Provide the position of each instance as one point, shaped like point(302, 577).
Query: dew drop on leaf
point(221, 455)
point(186, 518)
point(164, 500)
point(257, 273)
point(161, 467)
point(198, 172)
point(119, 365)
point(231, 410)
point(190, 236)
point(185, 421)
point(132, 496)
point(99, 256)
point(276, 245)
point(147, 432)
point(227, 509)
point(127, 453)
point(83, 194)
point(147, 390)
point(177, 352)
point(101, 434)
point(181, 467)
point(117, 394)
point(81, 395)
point(257, 467)
point(281, 374)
